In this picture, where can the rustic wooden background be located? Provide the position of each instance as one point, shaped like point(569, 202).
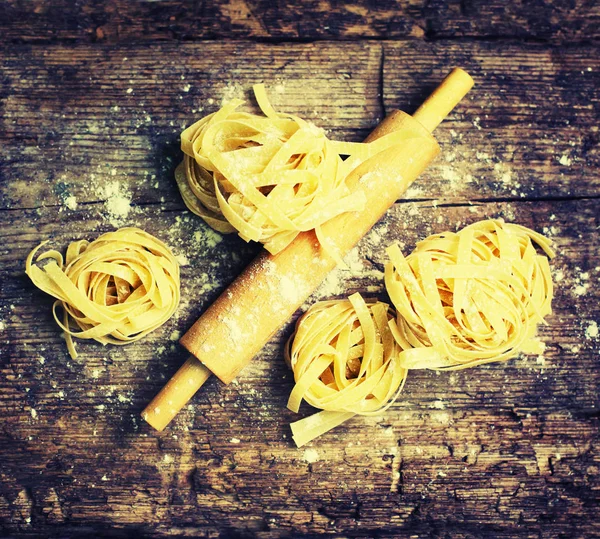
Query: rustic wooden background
point(93, 96)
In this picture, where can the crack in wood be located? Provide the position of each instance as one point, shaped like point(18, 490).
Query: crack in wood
point(428, 36)
point(498, 200)
point(381, 82)
point(472, 202)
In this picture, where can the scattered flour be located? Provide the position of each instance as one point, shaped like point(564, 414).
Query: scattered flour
point(580, 290)
point(565, 160)
point(574, 279)
point(591, 331)
point(231, 91)
point(449, 174)
point(117, 202)
point(551, 231)
point(389, 431)
point(541, 360)
point(581, 283)
point(235, 332)
point(71, 202)
point(288, 289)
point(336, 282)
point(311, 456)
point(206, 239)
point(354, 261)
point(378, 234)
point(333, 285)
point(182, 259)
point(533, 346)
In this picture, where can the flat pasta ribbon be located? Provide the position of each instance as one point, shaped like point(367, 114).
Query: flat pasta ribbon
point(469, 298)
point(269, 177)
point(345, 362)
point(116, 289)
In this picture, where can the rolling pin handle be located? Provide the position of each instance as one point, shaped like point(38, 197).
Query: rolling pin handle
point(443, 99)
point(177, 392)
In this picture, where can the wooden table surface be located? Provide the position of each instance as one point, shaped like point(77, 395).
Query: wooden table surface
point(93, 96)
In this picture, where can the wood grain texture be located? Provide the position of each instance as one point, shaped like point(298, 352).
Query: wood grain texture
point(497, 450)
point(110, 110)
point(121, 21)
point(506, 450)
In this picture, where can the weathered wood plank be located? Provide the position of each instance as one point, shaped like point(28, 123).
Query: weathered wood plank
point(121, 21)
point(112, 116)
point(508, 450)
point(526, 130)
point(121, 112)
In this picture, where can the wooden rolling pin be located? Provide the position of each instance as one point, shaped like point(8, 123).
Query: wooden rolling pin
point(245, 316)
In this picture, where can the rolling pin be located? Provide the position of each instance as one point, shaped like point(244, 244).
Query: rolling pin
point(268, 292)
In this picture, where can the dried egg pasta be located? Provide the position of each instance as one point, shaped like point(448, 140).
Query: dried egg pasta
point(469, 298)
point(269, 177)
point(345, 362)
point(462, 299)
point(116, 289)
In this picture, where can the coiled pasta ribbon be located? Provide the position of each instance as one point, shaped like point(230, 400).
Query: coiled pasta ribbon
point(345, 362)
point(469, 298)
point(116, 289)
point(462, 299)
point(269, 177)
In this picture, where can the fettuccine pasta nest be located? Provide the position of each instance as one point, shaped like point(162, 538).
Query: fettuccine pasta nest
point(469, 298)
point(345, 362)
point(268, 177)
point(115, 290)
point(461, 299)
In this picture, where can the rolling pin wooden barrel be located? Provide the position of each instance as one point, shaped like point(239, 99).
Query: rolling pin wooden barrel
point(268, 292)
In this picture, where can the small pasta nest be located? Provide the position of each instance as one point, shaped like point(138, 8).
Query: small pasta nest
point(469, 298)
point(345, 361)
point(269, 177)
point(115, 290)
